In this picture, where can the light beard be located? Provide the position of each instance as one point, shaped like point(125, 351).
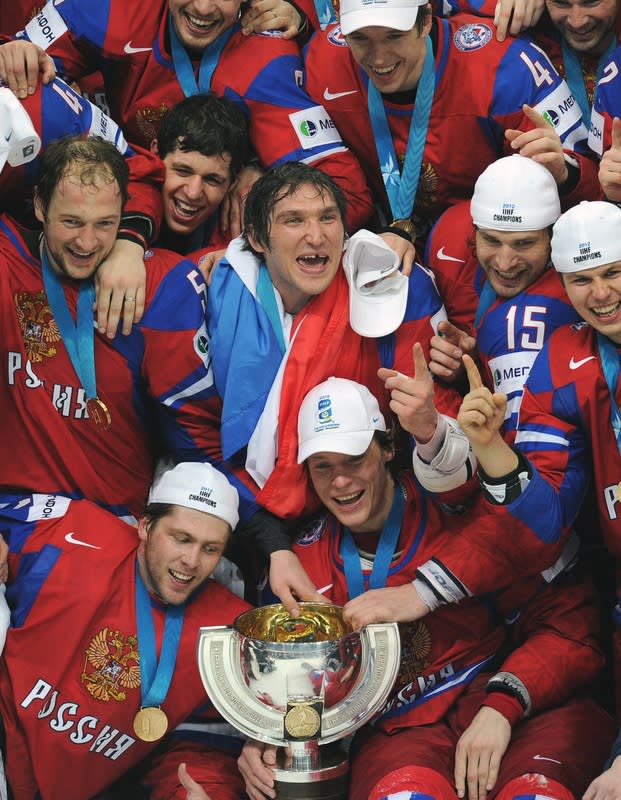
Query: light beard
point(57, 263)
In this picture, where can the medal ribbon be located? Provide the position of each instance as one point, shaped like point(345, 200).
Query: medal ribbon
point(209, 61)
point(486, 300)
point(383, 557)
point(609, 357)
point(267, 298)
point(78, 337)
point(325, 12)
point(155, 677)
point(401, 188)
point(575, 77)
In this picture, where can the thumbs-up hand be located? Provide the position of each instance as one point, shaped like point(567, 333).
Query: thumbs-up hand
point(446, 350)
point(541, 143)
point(411, 398)
point(193, 789)
point(610, 165)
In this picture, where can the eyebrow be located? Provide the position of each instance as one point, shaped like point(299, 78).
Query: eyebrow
point(286, 212)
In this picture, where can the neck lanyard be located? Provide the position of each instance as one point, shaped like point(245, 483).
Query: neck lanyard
point(575, 77)
point(267, 298)
point(486, 300)
point(610, 365)
point(155, 677)
point(209, 61)
point(325, 12)
point(386, 547)
point(78, 337)
point(401, 188)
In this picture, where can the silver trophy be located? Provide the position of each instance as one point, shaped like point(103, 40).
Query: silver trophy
point(301, 683)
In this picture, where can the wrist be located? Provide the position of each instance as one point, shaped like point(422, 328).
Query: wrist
point(496, 459)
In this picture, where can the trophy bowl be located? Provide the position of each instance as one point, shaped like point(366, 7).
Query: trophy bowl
point(300, 683)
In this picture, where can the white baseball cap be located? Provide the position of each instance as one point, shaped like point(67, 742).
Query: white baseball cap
point(515, 193)
point(19, 142)
point(587, 236)
point(337, 416)
point(378, 290)
point(398, 14)
point(193, 484)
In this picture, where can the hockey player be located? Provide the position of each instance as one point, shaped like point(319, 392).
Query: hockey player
point(377, 528)
point(569, 420)
point(151, 54)
point(368, 70)
point(72, 414)
point(100, 661)
point(203, 142)
point(56, 110)
point(491, 261)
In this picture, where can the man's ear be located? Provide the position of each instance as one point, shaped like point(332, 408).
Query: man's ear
point(153, 147)
point(143, 533)
point(38, 208)
point(254, 243)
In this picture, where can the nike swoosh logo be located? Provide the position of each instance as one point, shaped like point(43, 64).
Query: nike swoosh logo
point(543, 758)
point(72, 540)
point(129, 49)
point(325, 588)
point(575, 364)
point(9, 137)
point(443, 257)
point(328, 95)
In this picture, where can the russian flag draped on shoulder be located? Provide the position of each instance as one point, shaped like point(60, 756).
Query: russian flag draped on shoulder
point(247, 358)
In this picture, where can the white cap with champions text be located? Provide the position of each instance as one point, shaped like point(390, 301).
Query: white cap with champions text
point(587, 236)
point(398, 14)
point(337, 416)
point(515, 193)
point(197, 485)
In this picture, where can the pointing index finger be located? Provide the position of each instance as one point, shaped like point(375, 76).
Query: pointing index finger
point(420, 365)
point(616, 132)
point(535, 117)
point(474, 377)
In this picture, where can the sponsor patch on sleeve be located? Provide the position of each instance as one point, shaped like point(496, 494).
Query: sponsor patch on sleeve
point(596, 133)
point(314, 127)
point(46, 27)
point(560, 109)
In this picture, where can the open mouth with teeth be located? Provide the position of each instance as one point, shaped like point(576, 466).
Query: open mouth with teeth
point(180, 577)
point(508, 278)
point(313, 262)
point(78, 255)
point(199, 25)
point(384, 71)
point(606, 311)
point(185, 210)
point(348, 499)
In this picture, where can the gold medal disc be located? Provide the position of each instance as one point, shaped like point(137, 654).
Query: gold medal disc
point(150, 724)
point(98, 413)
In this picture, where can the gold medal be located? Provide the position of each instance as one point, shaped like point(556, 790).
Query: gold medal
point(302, 721)
point(150, 724)
point(98, 413)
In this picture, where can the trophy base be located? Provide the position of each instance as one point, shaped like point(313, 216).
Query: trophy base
point(328, 782)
